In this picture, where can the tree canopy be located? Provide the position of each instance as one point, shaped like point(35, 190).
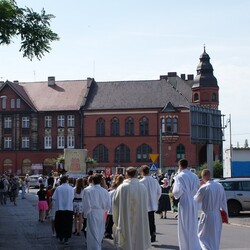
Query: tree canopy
point(33, 29)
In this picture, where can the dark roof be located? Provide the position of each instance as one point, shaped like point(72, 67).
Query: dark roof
point(139, 94)
point(205, 76)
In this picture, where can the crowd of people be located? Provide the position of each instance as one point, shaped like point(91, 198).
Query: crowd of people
point(123, 207)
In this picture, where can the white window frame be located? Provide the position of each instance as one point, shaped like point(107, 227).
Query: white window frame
point(47, 142)
point(60, 121)
point(12, 103)
point(7, 122)
point(71, 121)
point(48, 121)
point(18, 103)
point(60, 141)
point(70, 141)
point(25, 142)
point(25, 122)
point(7, 142)
point(4, 103)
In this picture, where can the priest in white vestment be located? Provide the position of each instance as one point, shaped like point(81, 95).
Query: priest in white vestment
point(212, 197)
point(96, 201)
point(130, 214)
point(185, 187)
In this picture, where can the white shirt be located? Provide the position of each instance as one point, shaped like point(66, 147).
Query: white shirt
point(63, 197)
point(154, 192)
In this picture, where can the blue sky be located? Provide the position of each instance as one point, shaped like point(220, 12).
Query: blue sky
point(137, 40)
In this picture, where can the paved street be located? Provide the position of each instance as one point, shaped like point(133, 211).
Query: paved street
point(20, 229)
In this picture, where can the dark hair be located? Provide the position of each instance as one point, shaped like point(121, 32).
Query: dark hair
point(97, 178)
point(145, 169)
point(183, 163)
point(131, 172)
point(63, 179)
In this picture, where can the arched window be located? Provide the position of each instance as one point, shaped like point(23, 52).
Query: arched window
point(180, 152)
point(100, 153)
point(214, 97)
point(100, 127)
point(115, 127)
point(142, 153)
point(168, 125)
point(175, 125)
point(162, 125)
point(144, 126)
point(122, 153)
point(129, 126)
point(196, 97)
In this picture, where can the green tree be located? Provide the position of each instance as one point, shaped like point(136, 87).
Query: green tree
point(217, 169)
point(33, 29)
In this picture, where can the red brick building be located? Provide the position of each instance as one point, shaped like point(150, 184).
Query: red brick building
point(120, 122)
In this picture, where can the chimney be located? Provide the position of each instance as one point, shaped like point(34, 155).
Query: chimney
point(51, 81)
point(172, 74)
point(190, 77)
point(163, 77)
point(16, 81)
point(183, 77)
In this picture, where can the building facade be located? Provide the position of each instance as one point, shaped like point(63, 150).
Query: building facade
point(120, 123)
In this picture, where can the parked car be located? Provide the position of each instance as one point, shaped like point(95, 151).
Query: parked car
point(34, 180)
point(238, 194)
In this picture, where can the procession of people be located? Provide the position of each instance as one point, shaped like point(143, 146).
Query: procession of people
point(123, 209)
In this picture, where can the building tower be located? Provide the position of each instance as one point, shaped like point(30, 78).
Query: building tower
point(205, 90)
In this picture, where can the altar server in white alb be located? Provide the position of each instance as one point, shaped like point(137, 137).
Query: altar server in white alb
point(212, 197)
point(96, 201)
point(186, 184)
point(154, 193)
point(130, 214)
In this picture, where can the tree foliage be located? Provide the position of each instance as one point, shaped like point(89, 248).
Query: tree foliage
point(217, 169)
point(33, 29)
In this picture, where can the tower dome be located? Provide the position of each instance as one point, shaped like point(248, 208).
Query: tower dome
point(205, 76)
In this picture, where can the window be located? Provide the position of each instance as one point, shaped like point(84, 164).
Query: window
point(180, 152)
point(175, 125)
point(47, 142)
point(60, 141)
point(144, 126)
point(7, 122)
point(213, 97)
point(170, 127)
point(48, 121)
point(162, 125)
point(122, 154)
point(142, 153)
point(25, 122)
point(196, 97)
point(18, 103)
point(60, 121)
point(4, 101)
point(245, 185)
point(100, 153)
point(25, 142)
point(100, 127)
point(129, 126)
point(12, 103)
point(71, 121)
point(70, 141)
point(7, 142)
point(115, 127)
